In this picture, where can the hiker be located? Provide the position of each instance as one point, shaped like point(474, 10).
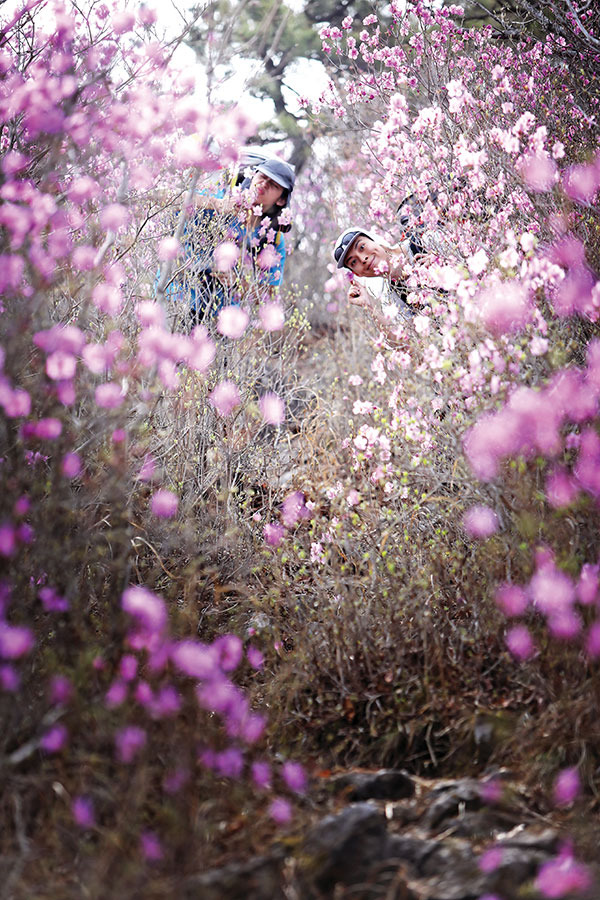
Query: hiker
point(367, 256)
point(220, 217)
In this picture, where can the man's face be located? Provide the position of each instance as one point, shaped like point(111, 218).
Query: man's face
point(268, 192)
point(366, 258)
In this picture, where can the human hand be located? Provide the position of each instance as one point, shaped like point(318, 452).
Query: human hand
point(358, 295)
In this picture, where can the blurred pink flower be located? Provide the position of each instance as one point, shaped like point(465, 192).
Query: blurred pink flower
point(128, 742)
point(53, 740)
point(353, 497)
point(195, 659)
point(581, 182)
point(491, 859)
point(225, 256)
point(122, 22)
point(109, 395)
point(261, 774)
point(151, 847)
point(225, 397)
point(280, 810)
point(255, 657)
point(71, 465)
point(60, 365)
point(202, 354)
point(511, 599)
point(232, 321)
point(272, 408)
point(592, 641)
point(48, 429)
point(552, 590)
point(169, 248)
point(60, 690)
point(565, 624)
point(293, 509)
point(164, 504)
point(562, 876)
point(272, 317)
point(273, 534)
point(587, 585)
point(229, 762)
point(520, 642)
point(107, 298)
point(480, 522)
point(504, 308)
point(114, 216)
point(561, 488)
point(128, 667)
point(539, 172)
point(146, 607)
point(566, 787)
point(267, 258)
point(230, 650)
point(150, 313)
point(9, 679)
point(8, 539)
point(294, 776)
point(51, 600)
point(148, 469)
point(15, 640)
point(82, 810)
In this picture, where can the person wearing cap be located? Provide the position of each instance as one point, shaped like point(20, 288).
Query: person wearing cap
point(366, 256)
point(220, 216)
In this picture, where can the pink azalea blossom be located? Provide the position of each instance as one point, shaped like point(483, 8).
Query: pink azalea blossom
point(129, 741)
point(60, 365)
point(225, 256)
point(504, 308)
point(273, 534)
point(566, 787)
point(230, 651)
point(169, 248)
point(54, 739)
point(561, 488)
point(294, 776)
point(280, 810)
point(82, 810)
point(261, 775)
point(268, 257)
point(255, 657)
point(48, 429)
point(232, 321)
point(293, 509)
point(562, 876)
point(109, 395)
point(511, 599)
point(8, 539)
point(272, 408)
point(195, 659)
point(71, 465)
point(480, 522)
point(225, 397)
point(146, 607)
point(114, 216)
point(592, 641)
point(272, 317)
point(15, 640)
point(150, 313)
point(164, 504)
point(491, 859)
point(539, 172)
point(520, 642)
point(151, 847)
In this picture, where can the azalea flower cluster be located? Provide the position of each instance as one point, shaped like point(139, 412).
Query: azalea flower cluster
point(98, 132)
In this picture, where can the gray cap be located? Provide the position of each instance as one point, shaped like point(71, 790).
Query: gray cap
point(280, 172)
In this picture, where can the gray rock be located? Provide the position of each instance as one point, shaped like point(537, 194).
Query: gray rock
point(450, 799)
point(260, 879)
point(342, 849)
point(387, 784)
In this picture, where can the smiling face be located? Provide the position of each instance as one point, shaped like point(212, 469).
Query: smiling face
point(366, 258)
point(268, 192)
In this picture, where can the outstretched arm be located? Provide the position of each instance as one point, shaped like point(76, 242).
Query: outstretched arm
point(358, 295)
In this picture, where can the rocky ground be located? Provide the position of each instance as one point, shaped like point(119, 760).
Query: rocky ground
point(393, 836)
